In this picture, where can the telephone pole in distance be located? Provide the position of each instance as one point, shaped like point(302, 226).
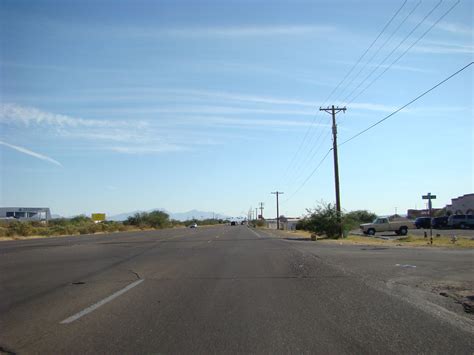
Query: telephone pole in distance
point(334, 110)
point(278, 208)
point(261, 210)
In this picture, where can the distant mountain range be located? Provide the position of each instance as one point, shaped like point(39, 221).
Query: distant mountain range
point(180, 216)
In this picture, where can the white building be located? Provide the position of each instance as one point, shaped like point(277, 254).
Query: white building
point(26, 213)
point(462, 205)
point(285, 223)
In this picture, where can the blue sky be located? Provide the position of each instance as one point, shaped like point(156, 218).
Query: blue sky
point(116, 106)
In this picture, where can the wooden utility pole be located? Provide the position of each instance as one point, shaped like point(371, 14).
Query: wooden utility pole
point(278, 208)
point(334, 110)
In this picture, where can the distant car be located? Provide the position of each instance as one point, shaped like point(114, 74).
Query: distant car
point(461, 221)
point(439, 222)
point(233, 223)
point(194, 225)
point(422, 222)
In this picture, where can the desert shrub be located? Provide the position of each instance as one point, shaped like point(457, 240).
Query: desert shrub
point(20, 228)
point(322, 220)
point(154, 219)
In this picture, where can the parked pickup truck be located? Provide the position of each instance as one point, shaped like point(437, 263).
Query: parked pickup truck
point(383, 224)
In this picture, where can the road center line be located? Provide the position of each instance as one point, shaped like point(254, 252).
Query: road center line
point(101, 303)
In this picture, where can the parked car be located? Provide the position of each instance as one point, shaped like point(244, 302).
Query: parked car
point(439, 222)
point(233, 223)
point(383, 224)
point(461, 221)
point(422, 222)
point(194, 225)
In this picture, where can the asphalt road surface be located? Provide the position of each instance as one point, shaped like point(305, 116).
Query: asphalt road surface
point(226, 289)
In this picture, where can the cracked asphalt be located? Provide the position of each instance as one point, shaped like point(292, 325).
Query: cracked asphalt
point(229, 289)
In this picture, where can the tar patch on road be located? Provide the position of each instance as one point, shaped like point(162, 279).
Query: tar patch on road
point(6, 351)
point(458, 293)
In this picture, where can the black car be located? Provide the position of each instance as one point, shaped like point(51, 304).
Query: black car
point(422, 222)
point(233, 223)
point(439, 222)
point(461, 221)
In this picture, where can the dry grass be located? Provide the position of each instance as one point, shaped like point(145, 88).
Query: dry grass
point(408, 241)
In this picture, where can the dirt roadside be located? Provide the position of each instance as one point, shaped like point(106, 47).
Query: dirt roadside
point(409, 240)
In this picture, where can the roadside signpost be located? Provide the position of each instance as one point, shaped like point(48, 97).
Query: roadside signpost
point(429, 197)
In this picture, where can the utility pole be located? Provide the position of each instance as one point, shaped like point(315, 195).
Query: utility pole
point(278, 207)
point(256, 213)
point(261, 210)
point(334, 110)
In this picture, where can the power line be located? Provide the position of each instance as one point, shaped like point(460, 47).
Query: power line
point(408, 104)
point(366, 51)
point(309, 176)
point(405, 51)
point(308, 157)
point(377, 123)
point(382, 46)
point(393, 50)
point(294, 158)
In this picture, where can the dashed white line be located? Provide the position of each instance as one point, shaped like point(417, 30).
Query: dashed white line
point(100, 303)
point(258, 235)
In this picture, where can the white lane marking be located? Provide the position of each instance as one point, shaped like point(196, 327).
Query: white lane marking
point(405, 265)
point(258, 235)
point(101, 303)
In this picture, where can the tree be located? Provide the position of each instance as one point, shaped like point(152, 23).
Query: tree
point(361, 216)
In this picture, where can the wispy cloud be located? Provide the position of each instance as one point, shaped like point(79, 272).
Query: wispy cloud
point(206, 109)
point(15, 114)
point(30, 153)
point(247, 98)
point(396, 67)
point(230, 31)
point(372, 107)
point(149, 149)
point(439, 47)
point(455, 28)
point(249, 123)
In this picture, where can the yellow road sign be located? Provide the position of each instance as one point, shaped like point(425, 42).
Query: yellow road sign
point(98, 217)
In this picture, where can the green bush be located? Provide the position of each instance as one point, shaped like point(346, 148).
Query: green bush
point(322, 220)
point(154, 219)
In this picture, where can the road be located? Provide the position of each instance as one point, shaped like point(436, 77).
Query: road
point(227, 289)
